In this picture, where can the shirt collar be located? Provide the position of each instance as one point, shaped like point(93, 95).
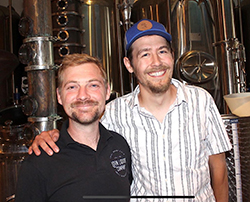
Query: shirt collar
point(134, 101)
point(181, 93)
point(65, 139)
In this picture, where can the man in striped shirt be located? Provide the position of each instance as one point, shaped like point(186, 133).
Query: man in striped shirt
point(175, 132)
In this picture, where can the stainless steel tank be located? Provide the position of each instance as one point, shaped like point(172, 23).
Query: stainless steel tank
point(13, 148)
point(194, 53)
point(209, 53)
point(101, 39)
point(245, 7)
point(67, 28)
point(158, 10)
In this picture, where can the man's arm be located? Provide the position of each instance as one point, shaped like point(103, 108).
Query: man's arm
point(46, 140)
point(219, 178)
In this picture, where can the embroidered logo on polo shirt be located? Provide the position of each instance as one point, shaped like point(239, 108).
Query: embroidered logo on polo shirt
point(118, 162)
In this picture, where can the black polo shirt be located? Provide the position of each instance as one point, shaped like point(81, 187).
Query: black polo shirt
point(77, 172)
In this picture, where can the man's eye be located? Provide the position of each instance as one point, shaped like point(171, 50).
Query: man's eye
point(95, 85)
point(145, 55)
point(163, 51)
point(70, 87)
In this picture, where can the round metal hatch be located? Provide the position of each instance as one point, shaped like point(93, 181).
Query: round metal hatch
point(196, 67)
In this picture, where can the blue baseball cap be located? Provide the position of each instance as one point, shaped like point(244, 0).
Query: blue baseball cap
point(145, 27)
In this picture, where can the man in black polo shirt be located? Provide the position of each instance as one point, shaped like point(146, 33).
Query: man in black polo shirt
point(93, 163)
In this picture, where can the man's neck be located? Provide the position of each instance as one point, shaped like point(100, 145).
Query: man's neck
point(85, 134)
point(157, 104)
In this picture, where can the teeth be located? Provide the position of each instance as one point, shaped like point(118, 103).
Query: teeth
point(157, 73)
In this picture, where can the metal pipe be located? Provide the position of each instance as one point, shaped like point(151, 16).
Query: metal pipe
point(125, 7)
point(240, 22)
point(120, 46)
point(224, 19)
point(10, 24)
point(37, 52)
point(15, 102)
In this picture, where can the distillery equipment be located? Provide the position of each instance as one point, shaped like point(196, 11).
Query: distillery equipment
point(238, 158)
point(12, 120)
point(208, 50)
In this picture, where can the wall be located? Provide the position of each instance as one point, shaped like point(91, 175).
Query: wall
point(16, 4)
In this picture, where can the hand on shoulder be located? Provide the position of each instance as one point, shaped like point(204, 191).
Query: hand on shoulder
point(46, 140)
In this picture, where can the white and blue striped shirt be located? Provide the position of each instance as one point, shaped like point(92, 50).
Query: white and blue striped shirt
point(170, 158)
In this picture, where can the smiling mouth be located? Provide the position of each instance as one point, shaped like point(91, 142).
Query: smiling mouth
point(158, 73)
point(83, 106)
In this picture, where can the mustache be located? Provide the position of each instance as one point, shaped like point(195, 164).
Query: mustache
point(158, 68)
point(85, 102)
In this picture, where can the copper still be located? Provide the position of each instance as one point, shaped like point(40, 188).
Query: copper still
point(38, 109)
point(37, 52)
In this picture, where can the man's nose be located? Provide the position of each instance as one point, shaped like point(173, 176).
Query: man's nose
point(83, 93)
point(156, 60)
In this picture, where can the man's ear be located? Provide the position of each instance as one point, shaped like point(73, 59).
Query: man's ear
point(127, 64)
point(172, 53)
point(58, 97)
point(108, 92)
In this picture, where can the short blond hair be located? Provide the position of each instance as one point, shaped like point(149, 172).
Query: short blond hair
point(78, 59)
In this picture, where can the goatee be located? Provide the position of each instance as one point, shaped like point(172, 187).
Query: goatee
point(75, 118)
point(82, 103)
point(160, 87)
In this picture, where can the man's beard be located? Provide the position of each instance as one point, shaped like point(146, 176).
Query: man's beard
point(156, 89)
point(84, 121)
point(75, 118)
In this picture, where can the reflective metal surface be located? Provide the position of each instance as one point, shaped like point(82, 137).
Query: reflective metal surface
point(238, 158)
point(196, 67)
point(66, 5)
point(67, 27)
point(100, 38)
point(37, 53)
point(158, 10)
point(13, 148)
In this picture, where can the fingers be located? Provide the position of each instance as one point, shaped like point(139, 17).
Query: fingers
point(34, 147)
point(54, 134)
point(30, 151)
point(45, 142)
